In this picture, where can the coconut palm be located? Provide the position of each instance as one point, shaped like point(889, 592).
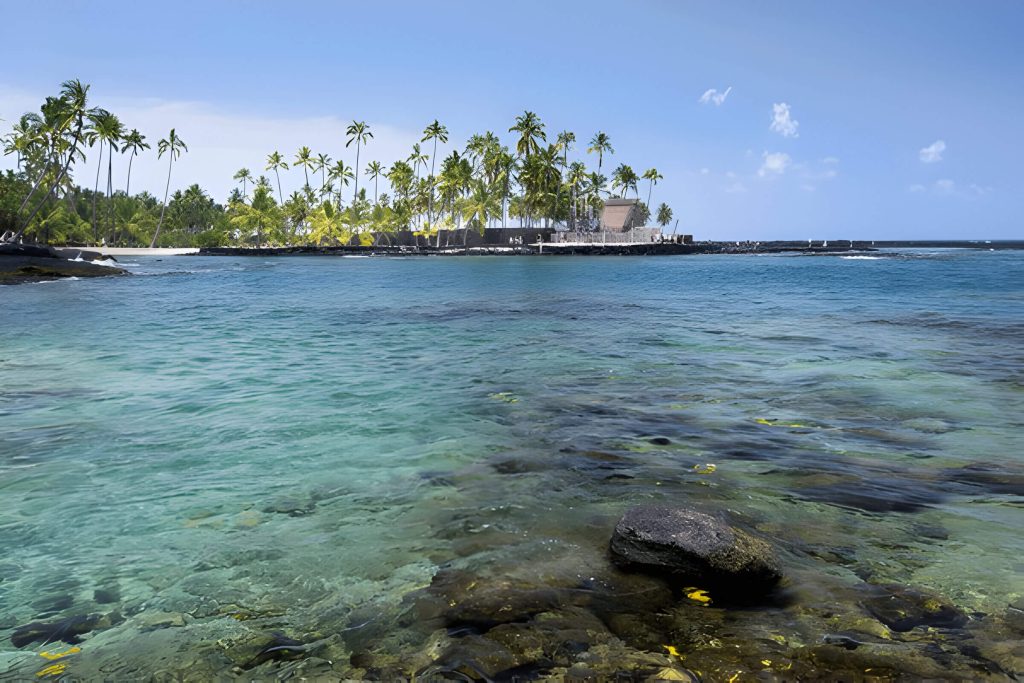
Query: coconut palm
point(577, 178)
point(321, 163)
point(261, 213)
point(375, 171)
point(359, 133)
point(343, 174)
point(173, 146)
point(134, 142)
point(664, 214)
point(275, 162)
point(479, 207)
point(566, 139)
point(243, 175)
point(624, 176)
point(69, 112)
point(531, 132)
point(653, 176)
point(416, 158)
point(436, 132)
point(105, 129)
point(600, 143)
point(304, 158)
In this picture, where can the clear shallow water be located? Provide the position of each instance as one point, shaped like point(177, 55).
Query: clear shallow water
point(303, 445)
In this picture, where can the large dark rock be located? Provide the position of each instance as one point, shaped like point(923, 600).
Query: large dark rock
point(695, 547)
point(20, 263)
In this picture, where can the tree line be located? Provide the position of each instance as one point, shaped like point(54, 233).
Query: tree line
point(483, 184)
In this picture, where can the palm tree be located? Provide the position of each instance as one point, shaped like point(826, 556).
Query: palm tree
point(577, 177)
point(133, 142)
point(358, 132)
point(260, 213)
point(479, 208)
point(652, 175)
point(417, 158)
point(173, 146)
point(375, 171)
point(624, 177)
point(565, 141)
point(106, 129)
point(72, 113)
point(275, 162)
point(343, 174)
point(531, 132)
point(600, 143)
point(664, 214)
point(435, 131)
point(243, 175)
point(320, 164)
point(304, 158)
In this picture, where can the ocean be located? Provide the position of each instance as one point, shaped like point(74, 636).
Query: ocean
point(414, 465)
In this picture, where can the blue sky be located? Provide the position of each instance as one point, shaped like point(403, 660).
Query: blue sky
point(901, 120)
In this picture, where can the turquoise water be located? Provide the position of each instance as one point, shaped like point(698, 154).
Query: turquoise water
point(218, 449)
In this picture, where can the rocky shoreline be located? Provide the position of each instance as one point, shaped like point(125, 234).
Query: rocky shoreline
point(25, 263)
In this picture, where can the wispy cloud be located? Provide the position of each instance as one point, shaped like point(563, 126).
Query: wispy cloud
point(782, 121)
point(933, 152)
point(712, 96)
point(946, 187)
point(774, 163)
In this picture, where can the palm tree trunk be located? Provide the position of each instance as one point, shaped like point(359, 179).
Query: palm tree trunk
point(128, 184)
point(167, 187)
point(649, 191)
point(110, 191)
point(95, 191)
point(356, 169)
point(280, 197)
point(53, 187)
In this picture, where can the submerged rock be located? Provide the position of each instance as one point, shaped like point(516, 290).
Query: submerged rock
point(66, 630)
point(691, 545)
point(902, 609)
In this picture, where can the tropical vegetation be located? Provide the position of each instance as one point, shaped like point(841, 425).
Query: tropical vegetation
point(439, 189)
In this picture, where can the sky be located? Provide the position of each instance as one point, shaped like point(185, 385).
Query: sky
point(767, 119)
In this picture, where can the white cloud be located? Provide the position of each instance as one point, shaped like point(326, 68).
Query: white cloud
point(949, 188)
point(933, 152)
point(736, 188)
point(705, 171)
point(782, 122)
point(220, 141)
point(712, 96)
point(775, 163)
point(830, 160)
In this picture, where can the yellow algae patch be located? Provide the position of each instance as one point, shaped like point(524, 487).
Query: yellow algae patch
point(766, 662)
point(57, 655)
point(706, 468)
point(697, 595)
point(672, 650)
point(732, 679)
point(670, 674)
point(506, 396)
point(52, 670)
point(775, 423)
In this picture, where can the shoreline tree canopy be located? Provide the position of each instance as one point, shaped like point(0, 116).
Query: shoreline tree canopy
point(484, 184)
